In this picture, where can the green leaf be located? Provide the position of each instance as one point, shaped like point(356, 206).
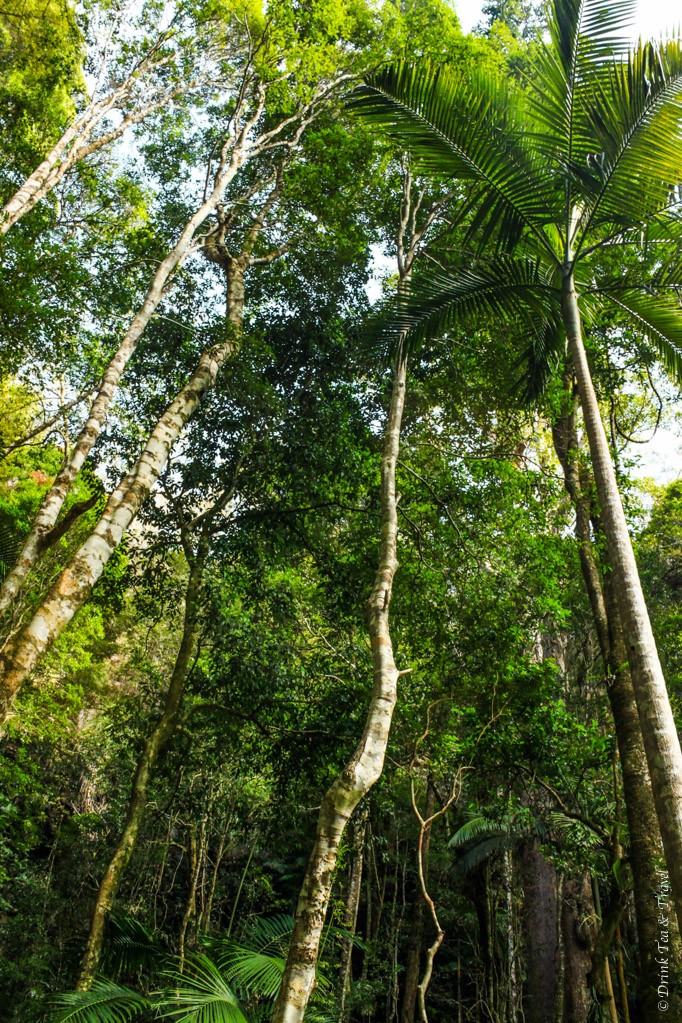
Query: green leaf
point(656, 317)
point(471, 127)
point(513, 292)
point(103, 1002)
point(201, 994)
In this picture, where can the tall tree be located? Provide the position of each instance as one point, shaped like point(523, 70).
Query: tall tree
point(585, 160)
point(315, 74)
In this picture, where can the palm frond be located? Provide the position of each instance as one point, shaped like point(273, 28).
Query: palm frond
point(471, 127)
point(201, 994)
point(581, 831)
point(656, 317)
point(263, 933)
point(103, 1002)
point(635, 120)
point(540, 359)
point(478, 851)
point(131, 945)
point(515, 292)
point(253, 972)
point(584, 36)
point(472, 829)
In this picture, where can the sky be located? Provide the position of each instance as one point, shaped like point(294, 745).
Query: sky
point(652, 16)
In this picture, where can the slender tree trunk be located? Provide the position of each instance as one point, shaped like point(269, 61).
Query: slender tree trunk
point(366, 765)
point(414, 953)
point(601, 971)
point(194, 869)
point(540, 929)
point(153, 747)
point(53, 502)
point(76, 142)
point(75, 584)
point(512, 978)
point(659, 733)
point(351, 916)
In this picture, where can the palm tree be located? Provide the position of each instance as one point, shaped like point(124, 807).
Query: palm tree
point(583, 163)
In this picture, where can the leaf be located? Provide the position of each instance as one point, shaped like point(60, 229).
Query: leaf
point(471, 127)
point(201, 994)
point(131, 945)
point(514, 292)
point(103, 1002)
point(656, 317)
point(634, 118)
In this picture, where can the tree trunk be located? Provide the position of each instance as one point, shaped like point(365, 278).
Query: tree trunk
point(540, 930)
point(576, 904)
point(60, 489)
point(153, 747)
point(76, 142)
point(414, 953)
point(75, 584)
point(350, 920)
point(659, 734)
point(366, 765)
point(645, 847)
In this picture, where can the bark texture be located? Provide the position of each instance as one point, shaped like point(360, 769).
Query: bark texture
point(99, 408)
point(661, 742)
point(75, 583)
point(153, 747)
point(645, 847)
point(366, 765)
point(576, 905)
point(540, 932)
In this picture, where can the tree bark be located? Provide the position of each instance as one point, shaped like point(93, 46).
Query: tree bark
point(540, 930)
point(153, 747)
point(366, 765)
point(576, 904)
point(351, 916)
point(645, 847)
point(659, 734)
point(75, 583)
point(54, 499)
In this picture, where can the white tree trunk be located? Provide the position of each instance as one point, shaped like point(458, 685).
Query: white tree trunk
point(366, 765)
point(75, 583)
point(659, 733)
point(59, 491)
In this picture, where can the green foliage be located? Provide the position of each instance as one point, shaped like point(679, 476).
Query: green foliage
point(103, 1002)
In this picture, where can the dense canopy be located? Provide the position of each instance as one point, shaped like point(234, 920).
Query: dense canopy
point(340, 513)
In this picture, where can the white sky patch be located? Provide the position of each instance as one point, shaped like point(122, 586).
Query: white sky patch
point(653, 16)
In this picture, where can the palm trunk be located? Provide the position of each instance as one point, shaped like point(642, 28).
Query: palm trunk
point(645, 848)
point(366, 765)
point(137, 803)
point(75, 583)
point(659, 734)
point(54, 500)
